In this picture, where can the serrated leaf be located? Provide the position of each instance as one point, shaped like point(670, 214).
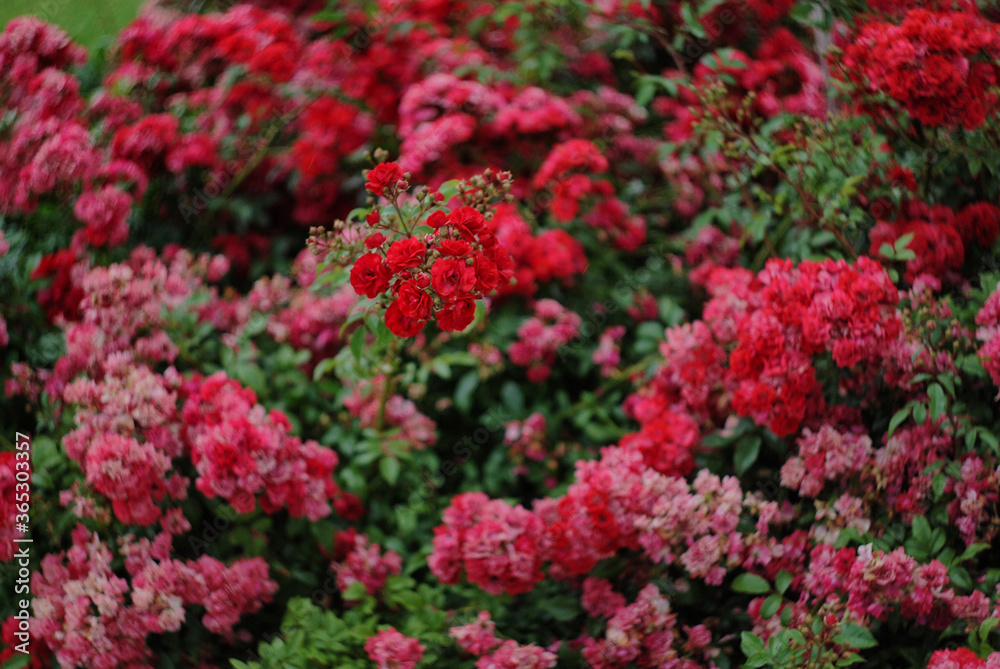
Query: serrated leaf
point(751, 584)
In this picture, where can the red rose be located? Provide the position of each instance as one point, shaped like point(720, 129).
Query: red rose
point(399, 323)
point(385, 175)
point(456, 315)
point(437, 219)
point(487, 276)
point(450, 277)
point(373, 217)
point(406, 253)
point(370, 275)
point(375, 241)
point(468, 222)
point(505, 266)
point(454, 248)
point(414, 301)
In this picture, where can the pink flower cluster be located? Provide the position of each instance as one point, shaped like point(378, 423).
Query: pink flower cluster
point(826, 455)
point(988, 320)
point(245, 454)
point(496, 545)
point(479, 638)
point(93, 617)
point(962, 658)
point(400, 414)
point(540, 338)
point(391, 650)
point(875, 583)
point(642, 633)
point(361, 562)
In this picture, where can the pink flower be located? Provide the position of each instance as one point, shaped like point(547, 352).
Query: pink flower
point(391, 650)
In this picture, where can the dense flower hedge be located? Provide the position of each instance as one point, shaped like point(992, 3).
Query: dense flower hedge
point(522, 334)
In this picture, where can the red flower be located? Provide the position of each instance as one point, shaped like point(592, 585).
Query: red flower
point(450, 276)
point(437, 219)
point(370, 275)
point(457, 315)
point(385, 175)
point(405, 253)
point(487, 275)
point(375, 241)
point(979, 224)
point(454, 248)
point(414, 301)
point(399, 323)
point(468, 222)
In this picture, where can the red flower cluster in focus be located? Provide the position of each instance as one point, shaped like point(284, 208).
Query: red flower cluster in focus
point(437, 276)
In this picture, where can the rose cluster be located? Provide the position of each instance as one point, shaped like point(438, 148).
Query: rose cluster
point(437, 276)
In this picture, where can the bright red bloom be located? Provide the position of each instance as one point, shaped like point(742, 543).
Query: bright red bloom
point(457, 315)
point(451, 277)
point(468, 222)
point(437, 219)
point(400, 324)
point(454, 248)
point(370, 275)
point(384, 175)
point(405, 253)
point(414, 300)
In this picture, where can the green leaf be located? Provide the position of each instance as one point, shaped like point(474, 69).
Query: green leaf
point(751, 644)
point(856, 636)
point(939, 403)
point(782, 581)
point(751, 584)
point(562, 608)
point(938, 484)
point(355, 591)
point(919, 414)
point(464, 389)
point(921, 530)
point(389, 468)
point(746, 454)
point(358, 343)
point(988, 626)
point(898, 418)
point(770, 607)
point(971, 552)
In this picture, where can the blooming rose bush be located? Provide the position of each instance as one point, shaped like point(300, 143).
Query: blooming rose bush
point(504, 335)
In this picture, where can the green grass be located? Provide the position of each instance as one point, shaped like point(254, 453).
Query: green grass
point(92, 23)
